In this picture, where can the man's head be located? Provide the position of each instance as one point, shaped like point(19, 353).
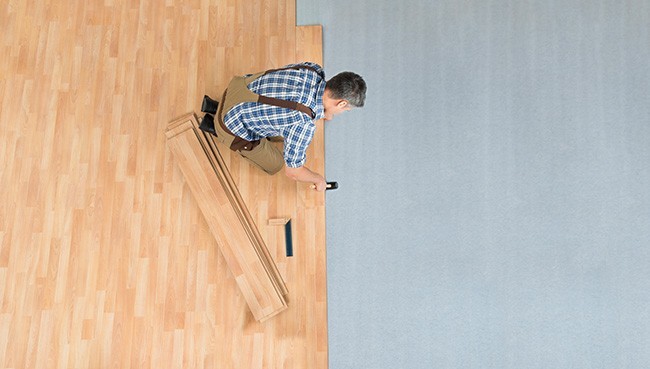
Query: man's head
point(343, 92)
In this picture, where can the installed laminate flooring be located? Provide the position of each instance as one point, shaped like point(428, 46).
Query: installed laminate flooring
point(105, 258)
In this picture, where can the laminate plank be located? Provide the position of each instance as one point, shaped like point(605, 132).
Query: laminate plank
point(244, 215)
point(209, 188)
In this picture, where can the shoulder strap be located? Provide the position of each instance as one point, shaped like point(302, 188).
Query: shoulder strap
point(295, 67)
point(285, 103)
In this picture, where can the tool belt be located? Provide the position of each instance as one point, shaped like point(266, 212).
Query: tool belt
point(238, 92)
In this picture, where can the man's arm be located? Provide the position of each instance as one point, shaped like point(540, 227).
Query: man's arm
point(304, 174)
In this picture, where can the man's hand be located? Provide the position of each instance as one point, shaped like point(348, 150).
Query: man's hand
point(303, 174)
point(321, 186)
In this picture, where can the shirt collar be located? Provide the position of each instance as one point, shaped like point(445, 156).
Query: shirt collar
point(320, 109)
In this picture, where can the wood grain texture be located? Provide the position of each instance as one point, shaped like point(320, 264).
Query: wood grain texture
point(105, 258)
point(227, 216)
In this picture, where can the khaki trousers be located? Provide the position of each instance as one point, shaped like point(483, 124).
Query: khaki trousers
point(264, 155)
point(261, 153)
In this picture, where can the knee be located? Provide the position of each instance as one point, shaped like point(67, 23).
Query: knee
point(275, 169)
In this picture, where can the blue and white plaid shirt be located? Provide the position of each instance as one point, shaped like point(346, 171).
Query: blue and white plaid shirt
point(254, 121)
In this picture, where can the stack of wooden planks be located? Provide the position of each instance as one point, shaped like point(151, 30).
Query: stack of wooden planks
point(229, 220)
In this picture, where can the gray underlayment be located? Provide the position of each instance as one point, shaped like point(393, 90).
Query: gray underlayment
point(494, 200)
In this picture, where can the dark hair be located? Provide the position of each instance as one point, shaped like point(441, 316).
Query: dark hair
point(348, 86)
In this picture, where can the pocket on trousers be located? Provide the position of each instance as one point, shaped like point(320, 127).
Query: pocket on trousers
point(266, 156)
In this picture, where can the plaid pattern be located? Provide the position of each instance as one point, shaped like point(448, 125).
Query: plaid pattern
point(254, 121)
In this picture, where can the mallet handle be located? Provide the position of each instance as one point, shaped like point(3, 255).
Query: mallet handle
point(329, 186)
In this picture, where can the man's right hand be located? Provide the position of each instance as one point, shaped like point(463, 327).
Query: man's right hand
point(321, 186)
point(304, 174)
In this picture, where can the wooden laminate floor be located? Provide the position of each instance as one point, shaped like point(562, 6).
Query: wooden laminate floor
point(105, 258)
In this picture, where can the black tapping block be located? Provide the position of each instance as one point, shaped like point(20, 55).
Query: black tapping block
point(288, 239)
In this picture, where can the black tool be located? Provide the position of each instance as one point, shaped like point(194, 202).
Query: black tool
point(209, 105)
point(288, 238)
point(332, 186)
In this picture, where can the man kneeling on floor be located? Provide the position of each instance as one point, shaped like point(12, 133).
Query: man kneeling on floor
point(281, 104)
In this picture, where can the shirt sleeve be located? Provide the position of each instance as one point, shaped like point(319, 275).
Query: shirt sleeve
point(297, 138)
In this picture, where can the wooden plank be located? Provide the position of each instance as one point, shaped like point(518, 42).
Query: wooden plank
point(242, 211)
point(310, 219)
point(210, 189)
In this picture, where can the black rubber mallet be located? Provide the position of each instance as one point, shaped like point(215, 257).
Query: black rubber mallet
point(332, 186)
